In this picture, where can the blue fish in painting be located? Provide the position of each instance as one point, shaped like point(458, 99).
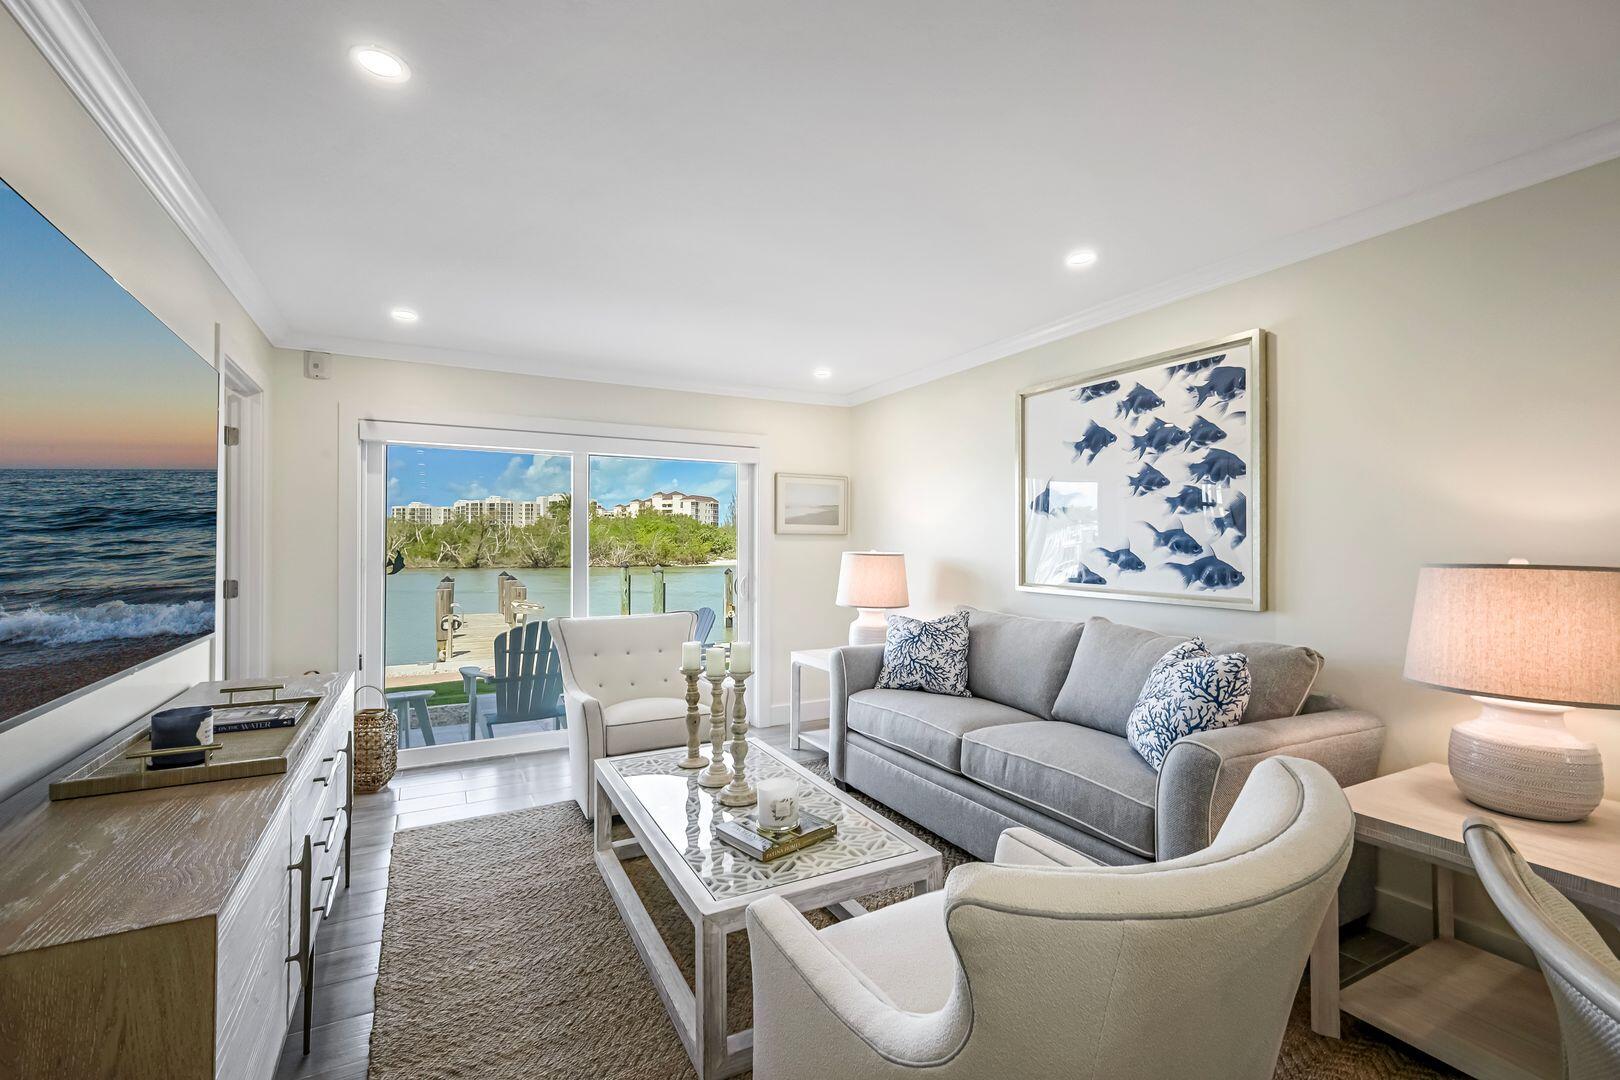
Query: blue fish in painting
point(1158, 438)
point(1085, 575)
point(1208, 573)
point(1189, 500)
point(1203, 433)
point(1042, 503)
point(1123, 559)
point(1235, 519)
point(1095, 440)
point(1177, 539)
point(1149, 479)
point(1137, 400)
point(1193, 367)
point(1224, 385)
point(1096, 390)
point(1218, 467)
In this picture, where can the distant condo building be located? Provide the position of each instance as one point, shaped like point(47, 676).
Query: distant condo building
point(495, 508)
point(702, 508)
point(504, 511)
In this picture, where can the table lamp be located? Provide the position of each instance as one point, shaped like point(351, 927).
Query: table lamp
point(1527, 642)
point(871, 581)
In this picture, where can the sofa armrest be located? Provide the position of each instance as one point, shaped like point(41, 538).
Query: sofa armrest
point(853, 668)
point(1203, 773)
point(1025, 847)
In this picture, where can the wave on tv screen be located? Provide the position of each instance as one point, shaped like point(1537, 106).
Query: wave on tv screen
point(108, 473)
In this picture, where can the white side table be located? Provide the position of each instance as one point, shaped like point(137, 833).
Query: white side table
point(1486, 1016)
point(821, 660)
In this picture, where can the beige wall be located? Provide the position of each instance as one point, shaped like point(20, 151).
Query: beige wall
point(803, 570)
point(56, 157)
point(1448, 392)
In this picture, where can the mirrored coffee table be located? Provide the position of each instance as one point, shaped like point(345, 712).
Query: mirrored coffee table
point(671, 820)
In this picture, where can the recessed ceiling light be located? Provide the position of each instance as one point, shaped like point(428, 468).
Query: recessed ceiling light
point(404, 315)
point(381, 63)
point(1080, 259)
point(822, 373)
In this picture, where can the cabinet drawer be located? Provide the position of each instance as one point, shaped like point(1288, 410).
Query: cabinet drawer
point(254, 919)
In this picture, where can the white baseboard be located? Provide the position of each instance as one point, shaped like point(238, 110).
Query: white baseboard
point(1412, 920)
point(815, 710)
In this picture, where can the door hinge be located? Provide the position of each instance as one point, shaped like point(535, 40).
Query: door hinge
point(230, 588)
point(233, 436)
point(360, 662)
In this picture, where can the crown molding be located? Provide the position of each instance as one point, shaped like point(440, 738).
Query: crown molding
point(70, 42)
point(574, 370)
point(1546, 163)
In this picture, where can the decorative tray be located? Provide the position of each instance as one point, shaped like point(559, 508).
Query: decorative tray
point(230, 756)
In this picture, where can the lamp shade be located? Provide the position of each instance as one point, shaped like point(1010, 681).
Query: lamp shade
point(1547, 634)
point(872, 579)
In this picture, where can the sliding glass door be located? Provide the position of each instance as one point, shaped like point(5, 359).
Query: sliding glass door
point(471, 548)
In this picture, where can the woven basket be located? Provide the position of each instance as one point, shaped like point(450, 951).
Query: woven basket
point(376, 747)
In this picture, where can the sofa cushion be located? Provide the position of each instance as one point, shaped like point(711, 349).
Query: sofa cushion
point(1112, 662)
point(926, 726)
point(1090, 779)
point(1188, 690)
point(1019, 661)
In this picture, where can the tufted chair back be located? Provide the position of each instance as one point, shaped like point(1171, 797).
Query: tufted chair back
point(616, 658)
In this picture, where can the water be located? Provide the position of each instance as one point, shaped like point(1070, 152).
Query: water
point(99, 569)
point(408, 611)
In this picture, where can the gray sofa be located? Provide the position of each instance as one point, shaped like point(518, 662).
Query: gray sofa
point(1041, 741)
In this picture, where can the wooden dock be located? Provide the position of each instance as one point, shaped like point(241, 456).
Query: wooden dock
point(474, 647)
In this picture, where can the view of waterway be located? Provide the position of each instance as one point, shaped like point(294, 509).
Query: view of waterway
point(409, 598)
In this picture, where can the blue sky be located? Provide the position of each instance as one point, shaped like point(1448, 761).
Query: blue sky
point(92, 379)
point(439, 477)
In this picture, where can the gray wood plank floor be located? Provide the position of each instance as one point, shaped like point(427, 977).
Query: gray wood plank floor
point(351, 941)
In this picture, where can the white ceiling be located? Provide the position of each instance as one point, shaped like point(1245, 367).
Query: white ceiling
point(729, 194)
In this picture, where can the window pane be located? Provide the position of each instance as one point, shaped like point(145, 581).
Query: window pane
point(477, 558)
point(664, 538)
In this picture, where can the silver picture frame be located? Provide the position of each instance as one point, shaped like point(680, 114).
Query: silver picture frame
point(1255, 484)
point(812, 504)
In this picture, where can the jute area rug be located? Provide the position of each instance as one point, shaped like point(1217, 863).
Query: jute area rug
point(504, 958)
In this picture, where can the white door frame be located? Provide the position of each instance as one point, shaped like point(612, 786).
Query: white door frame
point(362, 495)
point(243, 621)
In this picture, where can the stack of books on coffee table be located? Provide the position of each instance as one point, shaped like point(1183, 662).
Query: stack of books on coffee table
point(745, 835)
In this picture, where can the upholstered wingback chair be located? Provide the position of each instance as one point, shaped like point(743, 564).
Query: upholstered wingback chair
point(623, 690)
point(1581, 970)
point(1046, 964)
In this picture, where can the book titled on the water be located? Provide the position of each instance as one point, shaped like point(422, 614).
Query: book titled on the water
point(233, 718)
point(744, 835)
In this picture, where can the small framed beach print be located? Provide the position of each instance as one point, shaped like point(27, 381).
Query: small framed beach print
point(812, 504)
point(1146, 481)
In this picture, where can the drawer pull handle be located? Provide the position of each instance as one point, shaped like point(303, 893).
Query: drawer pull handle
point(327, 779)
point(305, 956)
point(331, 831)
point(325, 907)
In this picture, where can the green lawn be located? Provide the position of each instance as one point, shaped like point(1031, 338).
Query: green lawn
point(447, 693)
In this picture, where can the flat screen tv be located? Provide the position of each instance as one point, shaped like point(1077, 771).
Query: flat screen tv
point(108, 474)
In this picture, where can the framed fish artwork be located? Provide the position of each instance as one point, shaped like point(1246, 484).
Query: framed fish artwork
point(1146, 481)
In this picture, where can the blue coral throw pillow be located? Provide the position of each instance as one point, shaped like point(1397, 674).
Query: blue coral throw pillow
point(927, 656)
point(1188, 690)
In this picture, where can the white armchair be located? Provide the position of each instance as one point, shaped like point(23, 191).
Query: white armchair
point(623, 690)
point(1045, 964)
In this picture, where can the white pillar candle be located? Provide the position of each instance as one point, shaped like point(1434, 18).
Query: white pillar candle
point(691, 655)
point(716, 663)
point(778, 803)
point(742, 657)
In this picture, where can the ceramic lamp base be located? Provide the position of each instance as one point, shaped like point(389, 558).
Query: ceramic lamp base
point(870, 627)
point(1520, 759)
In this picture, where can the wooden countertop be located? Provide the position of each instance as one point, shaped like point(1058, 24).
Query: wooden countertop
point(85, 868)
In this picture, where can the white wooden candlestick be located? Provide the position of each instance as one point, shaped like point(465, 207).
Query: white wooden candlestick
point(717, 774)
point(739, 792)
point(694, 760)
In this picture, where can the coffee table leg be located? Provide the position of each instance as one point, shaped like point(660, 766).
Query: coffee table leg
point(602, 827)
point(711, 998)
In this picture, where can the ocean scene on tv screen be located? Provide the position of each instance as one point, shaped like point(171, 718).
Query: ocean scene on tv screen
point(107, 472)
